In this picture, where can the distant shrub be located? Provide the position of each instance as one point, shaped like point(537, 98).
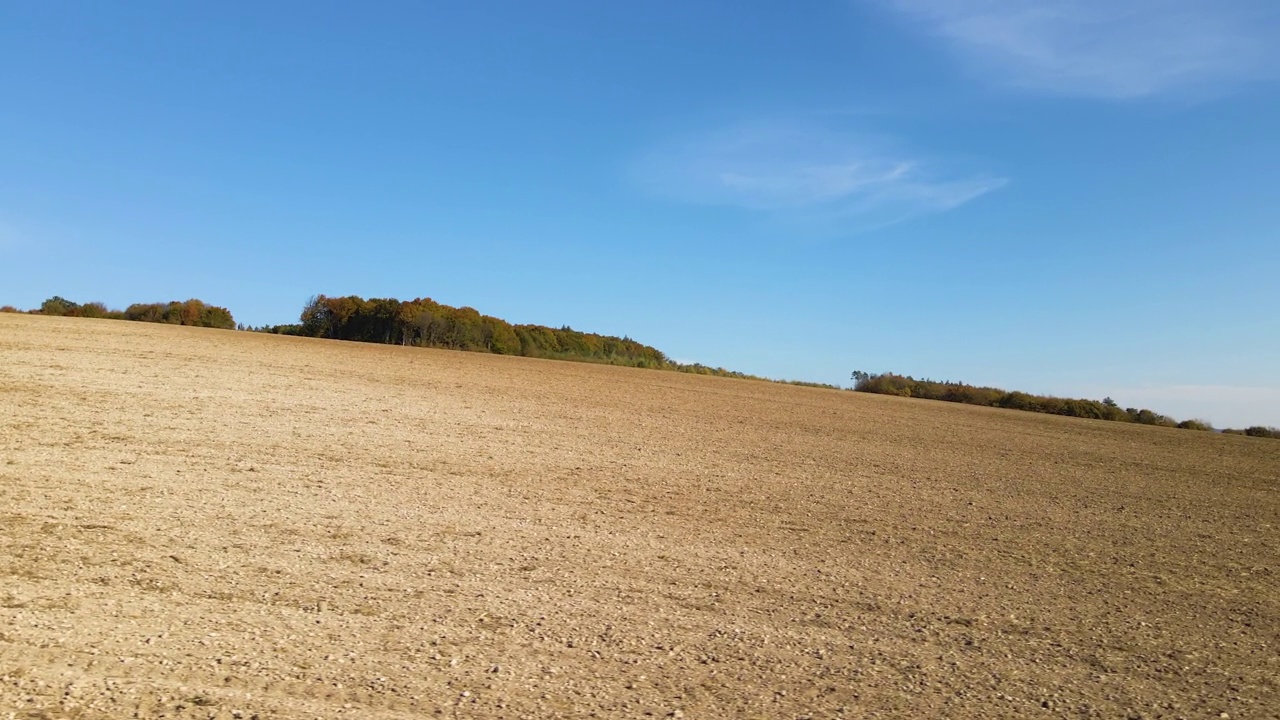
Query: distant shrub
point(1148, 417)
point(192, 312)
point(805, 383)
point(1105, 409)
point(1255, 431)
point(94, 310)
point(884, 384)
point(9, 309)
point(700, 369)
point(294, 329)
point(58, 306)
point(1261, 431)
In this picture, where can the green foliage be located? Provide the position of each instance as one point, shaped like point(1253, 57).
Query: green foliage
point(1148, 417)
point(192, 312)
point(59, 306)
point(700, 369)
point(212, 316)
point(294, 329)
point(425, 323)
point(1255, 431)
point(1106, 409)
point(805, 383)
point(1263, 432)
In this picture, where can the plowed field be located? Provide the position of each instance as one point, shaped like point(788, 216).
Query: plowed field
point(212, 524)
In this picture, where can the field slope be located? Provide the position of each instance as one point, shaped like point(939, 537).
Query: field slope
point(210, 524)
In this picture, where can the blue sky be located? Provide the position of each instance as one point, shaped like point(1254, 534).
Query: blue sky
point(1078, 197)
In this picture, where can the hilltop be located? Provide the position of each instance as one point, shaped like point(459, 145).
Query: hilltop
point(202, 522)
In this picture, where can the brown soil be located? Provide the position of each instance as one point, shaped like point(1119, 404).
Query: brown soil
point(210, 524)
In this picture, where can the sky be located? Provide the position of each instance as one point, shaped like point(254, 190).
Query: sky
point(1070, 197)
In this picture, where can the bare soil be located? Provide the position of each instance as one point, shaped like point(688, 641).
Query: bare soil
point(211, 524)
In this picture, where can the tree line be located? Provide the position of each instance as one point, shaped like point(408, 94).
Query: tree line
point(192, 312)
point(1105, 409)
point(423, 322)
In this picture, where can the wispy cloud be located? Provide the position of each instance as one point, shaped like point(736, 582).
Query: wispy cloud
point(1109, 48)
point(837, 181)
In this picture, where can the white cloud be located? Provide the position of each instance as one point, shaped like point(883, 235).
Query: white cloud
point(834, 181)
point(1223, 405)
point(1109, 48)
